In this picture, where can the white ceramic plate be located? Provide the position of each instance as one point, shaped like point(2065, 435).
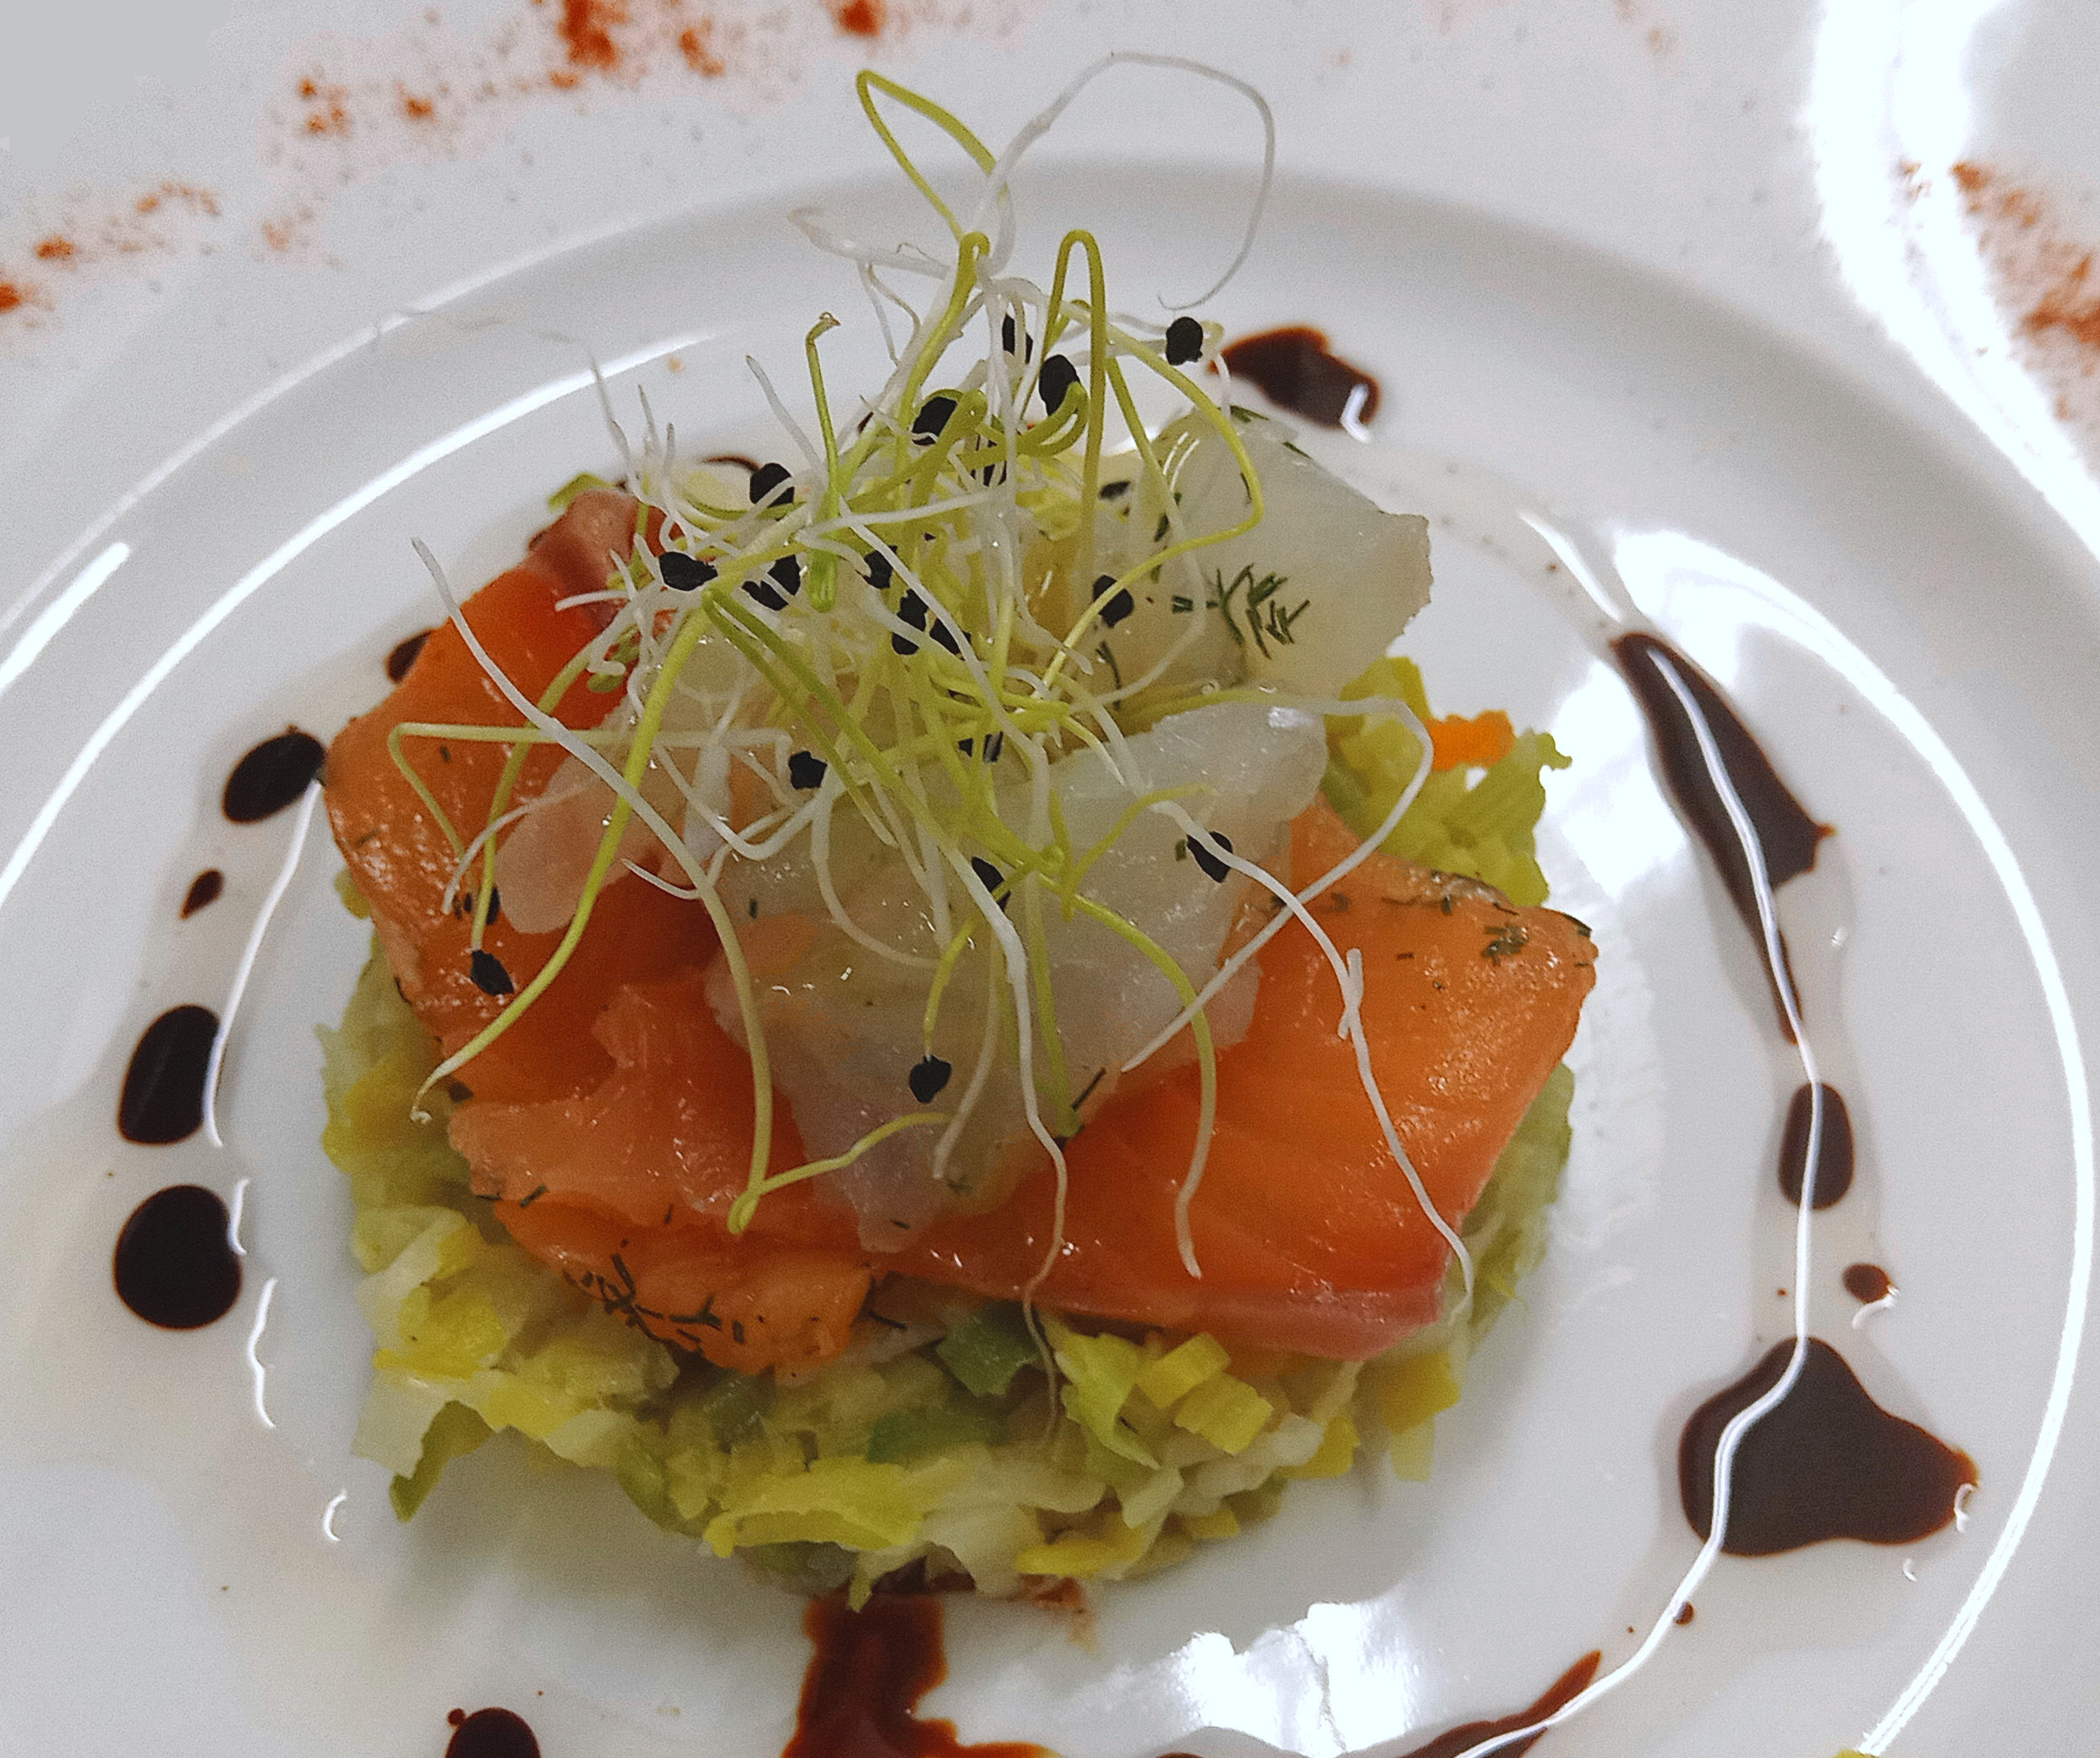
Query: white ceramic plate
point(198, 1562)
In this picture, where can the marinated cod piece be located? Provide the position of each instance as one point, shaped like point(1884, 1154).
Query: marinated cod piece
point(1303, 601)
point(844, 1023)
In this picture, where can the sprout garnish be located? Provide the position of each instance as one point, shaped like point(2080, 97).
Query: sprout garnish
point(863, 647)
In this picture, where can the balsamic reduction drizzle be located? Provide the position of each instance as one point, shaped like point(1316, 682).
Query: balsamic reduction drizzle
point(1826, 1462)
point(1296, 371)
point(203, 889)
point(1456, 1740)
point(490, 1733)
point(1786, 835)
point(404, 654)
point(272, 775)
point(175, 1265)
point(1868, 1283)
point(861, 1694)
point(1833, 1153)
point(163, 1095)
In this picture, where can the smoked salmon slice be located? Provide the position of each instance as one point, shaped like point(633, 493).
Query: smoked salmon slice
point(401, 861)
point(1308, 1234)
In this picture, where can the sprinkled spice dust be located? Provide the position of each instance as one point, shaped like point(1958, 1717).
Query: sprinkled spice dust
point(695, 43)
point(860, 18)
point(364, 104)
point(2046, 281)
point(91, 231)
point(585, 29)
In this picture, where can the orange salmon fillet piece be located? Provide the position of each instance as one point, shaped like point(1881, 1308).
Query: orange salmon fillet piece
point(626, 1190)
point(1305, 1229)
point(402, 862)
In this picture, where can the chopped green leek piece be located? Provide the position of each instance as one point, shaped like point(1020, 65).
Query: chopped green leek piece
point(985, 1350)
point(905, 1435)
point(455, 1431)
point(580, 483)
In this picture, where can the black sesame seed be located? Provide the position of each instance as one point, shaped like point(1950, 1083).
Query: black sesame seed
point(684, 573)
point(765, 479)
point(787, 574)
point(928, 1075)
point(994, 747)
point(1117, 490)
point(879, 572)
point(1118, 608)
point(989, 876)
point(1014, 340)
point(488, 972)
point(911, 609)
point(945, 637)
point(1184, 342)
point(968, 747)
point(933, 416)
point(766, 594)
point(1058, 376)
point(1213, 869)
point(903, 644)
point(806, 769)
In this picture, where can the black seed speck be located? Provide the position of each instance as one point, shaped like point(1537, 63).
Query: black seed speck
point(1184, 342)
point(787, 574)
point(684, 573)
point(933, 416)
point(764, 480)
point(929, 1074)
point(1058, 376)
point(488, 972)
point(806, 769)
point(989, 876)
point(1213, 868)
point(879, 572)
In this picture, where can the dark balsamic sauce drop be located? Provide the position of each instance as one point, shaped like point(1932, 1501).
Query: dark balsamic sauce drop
point(203, 889)
point(1834, 1159)
point(1456, 1740)
point(490, 1733)
point(1786, 835)
point(175, 1265)
point(1296, 371)
point(163, 1095)
point(861, 1692)
point(272, 775)
point(1828, 1462)
point(1868, 1283)
point(404, 654)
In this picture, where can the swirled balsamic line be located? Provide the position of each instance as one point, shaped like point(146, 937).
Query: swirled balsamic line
point(1827, 1461)
point(175, 1262)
